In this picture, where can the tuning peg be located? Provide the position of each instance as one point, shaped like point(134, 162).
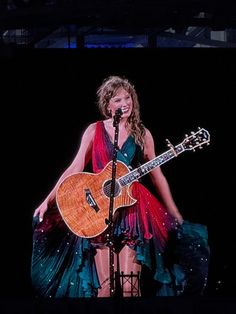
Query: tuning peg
point(168, 142)
point(171, 146)
point(186, 135)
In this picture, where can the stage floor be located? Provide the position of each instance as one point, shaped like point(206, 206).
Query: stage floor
point(162, 305)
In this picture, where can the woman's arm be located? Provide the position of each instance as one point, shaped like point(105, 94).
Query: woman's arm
point(159, 180)
point(80, 161)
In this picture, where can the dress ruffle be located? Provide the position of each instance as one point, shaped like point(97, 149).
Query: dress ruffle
point(62, 263)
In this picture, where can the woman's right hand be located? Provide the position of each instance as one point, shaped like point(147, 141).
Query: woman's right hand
point(41, 210)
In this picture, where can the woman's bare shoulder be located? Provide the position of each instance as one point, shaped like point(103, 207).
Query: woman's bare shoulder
point(90, 129)
point(148, 134)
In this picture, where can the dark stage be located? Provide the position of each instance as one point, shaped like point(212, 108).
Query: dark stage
point(48, 98)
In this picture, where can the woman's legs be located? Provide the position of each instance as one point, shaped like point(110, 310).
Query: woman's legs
point(128, 265)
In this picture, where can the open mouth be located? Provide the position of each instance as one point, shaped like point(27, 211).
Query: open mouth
point(124, 110)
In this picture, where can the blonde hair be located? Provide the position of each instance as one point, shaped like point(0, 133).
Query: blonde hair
point(107, 90)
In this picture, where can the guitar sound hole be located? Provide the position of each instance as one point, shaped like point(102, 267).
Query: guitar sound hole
point(107, 188)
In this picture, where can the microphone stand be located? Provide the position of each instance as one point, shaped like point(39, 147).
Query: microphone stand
point(115, 286)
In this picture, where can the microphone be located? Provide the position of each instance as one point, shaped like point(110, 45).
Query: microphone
point(118, 112)
point(117, 116)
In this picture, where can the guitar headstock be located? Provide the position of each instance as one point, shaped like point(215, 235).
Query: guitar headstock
point(196, 139)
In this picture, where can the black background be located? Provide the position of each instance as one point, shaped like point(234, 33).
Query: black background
point(48, 97)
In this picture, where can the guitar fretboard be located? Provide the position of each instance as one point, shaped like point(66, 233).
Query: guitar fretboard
point(137, 173)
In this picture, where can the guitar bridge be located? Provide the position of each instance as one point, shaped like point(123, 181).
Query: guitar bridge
point(91, 200)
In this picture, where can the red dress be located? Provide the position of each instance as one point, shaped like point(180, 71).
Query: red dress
point(63, 264)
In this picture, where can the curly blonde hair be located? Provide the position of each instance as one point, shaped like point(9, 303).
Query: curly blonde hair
point(107, 90)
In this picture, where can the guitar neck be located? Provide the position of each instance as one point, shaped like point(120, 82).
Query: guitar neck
point(139, 172)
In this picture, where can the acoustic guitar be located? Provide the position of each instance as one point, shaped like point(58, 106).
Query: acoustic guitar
point(83, 198)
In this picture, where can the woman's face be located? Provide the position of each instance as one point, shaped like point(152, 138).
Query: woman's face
point(122, 99)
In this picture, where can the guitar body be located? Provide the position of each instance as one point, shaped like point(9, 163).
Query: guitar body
point(83, 200)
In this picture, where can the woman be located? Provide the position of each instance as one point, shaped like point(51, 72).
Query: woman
point(64, 264)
